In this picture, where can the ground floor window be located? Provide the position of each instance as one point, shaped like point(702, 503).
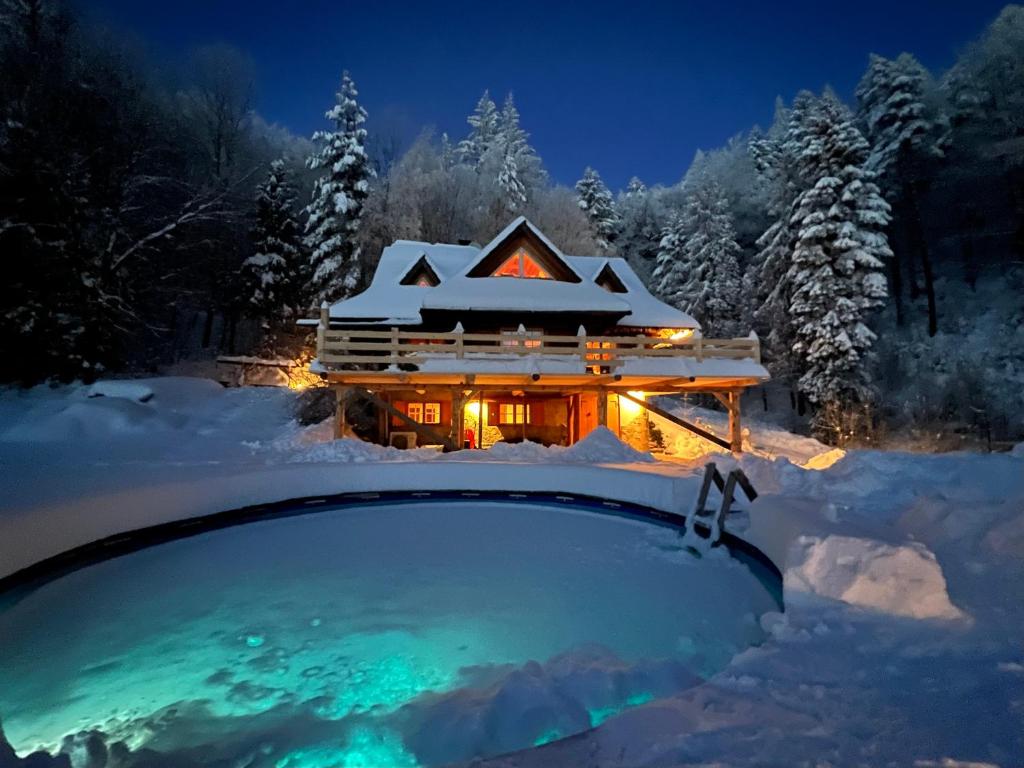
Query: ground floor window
point(425, 413)
point(514, 413)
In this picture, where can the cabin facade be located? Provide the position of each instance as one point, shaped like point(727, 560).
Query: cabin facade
point(462, 346)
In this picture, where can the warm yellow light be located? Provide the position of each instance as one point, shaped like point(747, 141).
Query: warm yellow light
point(824, 460)
point(685, 333)
point(473, 409)
point(627, 407)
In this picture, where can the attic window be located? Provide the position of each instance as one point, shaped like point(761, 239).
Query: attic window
point(521, 264)
point(610, 281)
point(421, 274)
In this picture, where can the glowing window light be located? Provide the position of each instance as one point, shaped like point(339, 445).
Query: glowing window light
point(521, 264)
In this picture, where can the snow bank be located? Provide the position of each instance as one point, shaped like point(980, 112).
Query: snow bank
point(536, 702)
point(348, 450)
point(601, 446)
point(132, 390)
point(902, 580)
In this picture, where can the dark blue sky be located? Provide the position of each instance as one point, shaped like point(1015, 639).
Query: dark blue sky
point(632, 88)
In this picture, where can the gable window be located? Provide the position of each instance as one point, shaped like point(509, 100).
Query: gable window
point(610, 281)
point(424, 413)
point(421, 274)
point(514, 413)
point(521, 264)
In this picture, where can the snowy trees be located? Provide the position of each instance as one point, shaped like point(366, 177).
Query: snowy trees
point(904, 129)
point(893, 106)
point(640, 230)
point(338, 195)
point(498, 149)
point(596, 202)
point(821, 262)
point(697, 268)
point(835, 272)
point(273, 273)
point(985, 88)
point(483, 134)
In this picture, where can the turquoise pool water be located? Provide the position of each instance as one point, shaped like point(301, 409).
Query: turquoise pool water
point(401, 634)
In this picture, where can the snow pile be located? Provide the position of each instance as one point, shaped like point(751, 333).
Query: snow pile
point(126, 388)
point(601, 446)
point(354, 450)
point(536, 703)
point(902, 580)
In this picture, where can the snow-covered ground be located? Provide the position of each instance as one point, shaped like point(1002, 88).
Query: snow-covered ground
point(901, 642)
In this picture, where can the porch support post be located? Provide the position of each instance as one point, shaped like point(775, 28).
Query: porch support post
point(340, 420)
point(602, 408)
point(735, 427)
point(458, 418)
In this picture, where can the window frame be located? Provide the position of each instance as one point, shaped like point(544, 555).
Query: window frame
point(516, 414)
point(420, 411)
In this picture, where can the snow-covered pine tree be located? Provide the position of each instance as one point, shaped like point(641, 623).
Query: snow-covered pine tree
point(515, 151)
point(338, 195)
point(483, 134)
point(596, 201)
point(697, 268)
point(641, 231)
point(272, 273)
point(635, 187)
point(894, 110)
point(836, 267)
point(775, 158)
point(669, 279)
point(713, 287)
point(904, 129)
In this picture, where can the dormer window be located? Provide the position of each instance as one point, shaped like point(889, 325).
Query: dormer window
point(421, 274)
point(521, 264)
point(610, 281)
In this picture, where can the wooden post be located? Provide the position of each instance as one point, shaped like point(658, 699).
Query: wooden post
point(602, 408)
point(735, 427)
point(480, 421)
point(393, 355)
point(321, 329)
point(383, 419)
point(458, 418)
point(340, 419)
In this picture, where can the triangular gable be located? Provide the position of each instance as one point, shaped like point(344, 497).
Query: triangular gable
point(521, 250)
point(609, 280)
point(421, 273)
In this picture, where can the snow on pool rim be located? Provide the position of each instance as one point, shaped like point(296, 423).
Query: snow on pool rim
point(527, 673)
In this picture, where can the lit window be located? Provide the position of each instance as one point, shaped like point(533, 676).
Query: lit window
point(431, 413)
point(424, 413)
point(522, 264)
point(516, 338)
point(514, 413)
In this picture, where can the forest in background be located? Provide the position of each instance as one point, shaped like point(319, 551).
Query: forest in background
point(149, 214)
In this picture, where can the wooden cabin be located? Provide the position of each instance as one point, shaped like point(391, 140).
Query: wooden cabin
point(463, 346)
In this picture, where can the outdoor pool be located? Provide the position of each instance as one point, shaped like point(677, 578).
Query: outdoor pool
point(405, 633)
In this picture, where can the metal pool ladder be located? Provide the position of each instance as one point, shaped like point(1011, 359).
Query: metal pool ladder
point(727, 486)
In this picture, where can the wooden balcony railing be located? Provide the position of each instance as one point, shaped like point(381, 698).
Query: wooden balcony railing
point(357, 347)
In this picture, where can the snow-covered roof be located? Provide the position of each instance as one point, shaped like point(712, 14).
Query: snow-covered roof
point(388, 302)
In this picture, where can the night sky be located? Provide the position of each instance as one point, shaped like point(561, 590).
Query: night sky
point(631, 88)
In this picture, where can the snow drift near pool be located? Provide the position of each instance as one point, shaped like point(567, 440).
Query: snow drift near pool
point(382, 635)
